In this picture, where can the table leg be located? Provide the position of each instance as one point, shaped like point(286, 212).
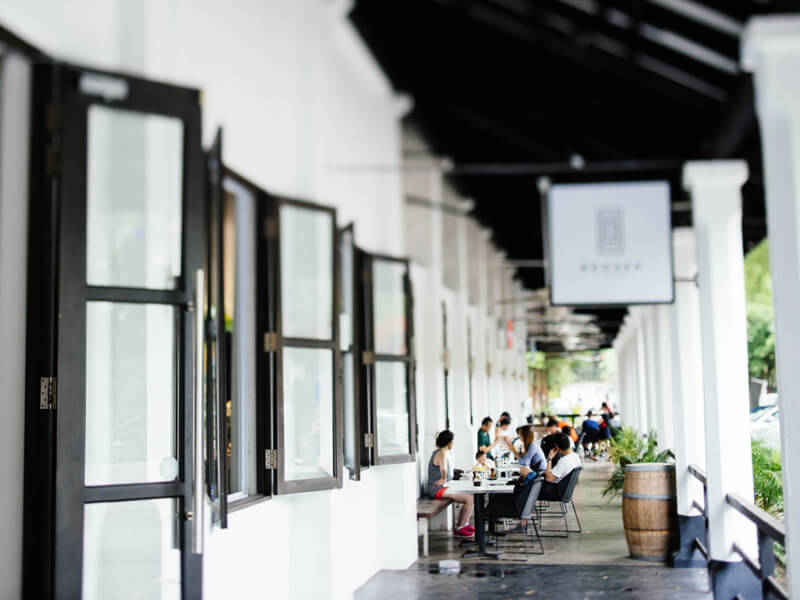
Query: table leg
point(480, 531)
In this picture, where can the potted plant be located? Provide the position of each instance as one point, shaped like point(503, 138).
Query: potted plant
point(646, 481)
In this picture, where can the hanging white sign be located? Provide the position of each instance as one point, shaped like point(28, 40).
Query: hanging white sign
point(610, 243)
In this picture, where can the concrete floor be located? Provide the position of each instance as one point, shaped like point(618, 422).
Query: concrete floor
point(592, 564)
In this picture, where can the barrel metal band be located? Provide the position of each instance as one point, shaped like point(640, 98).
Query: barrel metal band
point(651, 467)
point(633, 496)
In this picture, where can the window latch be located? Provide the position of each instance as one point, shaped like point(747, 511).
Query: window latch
point(369, 440)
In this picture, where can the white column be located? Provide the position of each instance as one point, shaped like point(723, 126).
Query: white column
point(687, 372)
point(664, 408)
point(771, 50)
point(642, 418)
point(717, 207)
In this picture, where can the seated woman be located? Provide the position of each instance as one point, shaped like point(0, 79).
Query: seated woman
point(439, 473)
point(532, 460)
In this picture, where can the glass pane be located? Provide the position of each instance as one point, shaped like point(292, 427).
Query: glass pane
point(131, 551)
point(349, 401)
point(306, 272)
point(346, 253)
point(307, 413)
point(389, 300)
point(130, 393)
point(392, 405)
point(134, 199)
point(239, 276)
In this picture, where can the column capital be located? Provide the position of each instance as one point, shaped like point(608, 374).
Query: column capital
point(775, 34)
point(714, 174)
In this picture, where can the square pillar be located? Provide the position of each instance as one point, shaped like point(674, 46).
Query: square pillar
point(687, 388)
point(642, 417)
point(715, 187)
point(771, 50)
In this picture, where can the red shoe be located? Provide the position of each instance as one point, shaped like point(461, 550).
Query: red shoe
point(470, 527)
point(463, 532)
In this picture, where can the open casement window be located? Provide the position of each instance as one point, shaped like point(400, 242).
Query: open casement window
point(350, 345)
point(114, 482)
point(235, 424)
point(301, 345)
point(389, 413)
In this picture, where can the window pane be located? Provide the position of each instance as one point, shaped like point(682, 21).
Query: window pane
point(134, 199)
point(131, 551)
point(349, 400)
point(239, 251)
point(307, 413)
point(130, 393)
point(346, 252)
point(389, 300)
point(306, 272)
point(392, 404)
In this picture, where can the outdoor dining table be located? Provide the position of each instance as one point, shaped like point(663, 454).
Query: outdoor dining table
point(499, 486)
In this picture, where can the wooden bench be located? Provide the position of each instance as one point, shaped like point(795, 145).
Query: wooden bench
point(428, 508)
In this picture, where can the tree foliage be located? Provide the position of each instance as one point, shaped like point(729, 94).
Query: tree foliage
point(760, 314)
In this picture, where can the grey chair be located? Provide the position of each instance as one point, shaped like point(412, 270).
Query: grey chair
point(529, 514)
point(564, 503)
point(522, 506)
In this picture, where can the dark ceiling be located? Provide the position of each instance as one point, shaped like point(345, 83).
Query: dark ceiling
point(509, 90)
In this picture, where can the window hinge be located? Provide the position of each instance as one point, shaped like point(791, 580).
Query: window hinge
point(270, 459)
point(270, 342)
point(368, 357)
point(471, 366)
point(366, 276)
point(47, 393)
point(369, 440)
point(270, 228)
point(446, 358)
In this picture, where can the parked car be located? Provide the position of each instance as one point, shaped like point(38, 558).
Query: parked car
point(765, 425)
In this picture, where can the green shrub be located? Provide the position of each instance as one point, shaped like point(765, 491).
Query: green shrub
point(629, 447)
point(767, 479)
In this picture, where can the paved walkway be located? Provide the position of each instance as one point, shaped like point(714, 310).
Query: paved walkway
point(592, 564)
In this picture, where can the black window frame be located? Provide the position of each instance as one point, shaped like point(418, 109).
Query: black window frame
point(351, 253)
point(218, 375)
point(58, 294)
point(271, 364)
point(370, 358)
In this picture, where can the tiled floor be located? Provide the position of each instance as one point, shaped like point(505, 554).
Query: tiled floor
point(592, 564)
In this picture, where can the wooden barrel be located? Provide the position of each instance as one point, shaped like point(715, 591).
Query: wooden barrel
point(649, 511)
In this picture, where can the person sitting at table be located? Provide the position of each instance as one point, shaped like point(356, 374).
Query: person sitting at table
point(502, 439)
point(590, 429)
point(532, 460)
point(555, 475)
point(549, 441)
point(439, 473)
point(482, 462)
point(485, 444)
point(562, 425)
point(517, 443)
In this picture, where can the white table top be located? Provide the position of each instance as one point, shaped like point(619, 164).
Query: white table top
point(486, 487)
